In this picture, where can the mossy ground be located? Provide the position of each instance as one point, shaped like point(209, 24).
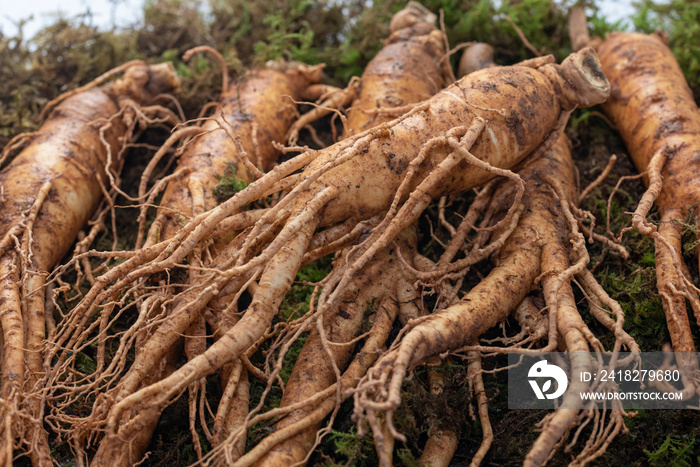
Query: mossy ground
point(345, 35)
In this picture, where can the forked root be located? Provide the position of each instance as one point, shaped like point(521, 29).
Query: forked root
point(384, 278)
point(539, 248)
point(62, 183)
point(274, 283)
point(479, 390)
point(652, 94)
point(672, 282)
point(327, 400)
point(272, 249)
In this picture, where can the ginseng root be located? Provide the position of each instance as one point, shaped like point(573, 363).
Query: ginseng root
point(398, 166)
point(387, 79)
point(400, 75)
point(538, 249)
point(656, 115)
point(252, 115)
point(50, 190)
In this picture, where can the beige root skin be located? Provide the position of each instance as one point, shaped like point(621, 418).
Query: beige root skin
point(325, 190)
point(391, 83)
point(314, 371)
point(246, 130)
point(163, 339)
point(131, 452)
point(442, 443)
point(414, 13)
point(569, 325)
point(55, 175)
point(657, 117)
point(244, 111)
point(479, 392)
point(539, 247)
point(233, 409)
point(578, 30)
point(379, 333)
point(226, 140)
point(13, 354)
point(276, 281)
point(199, 227)
point(337, 99)
point(476, 57)
point(388, 80)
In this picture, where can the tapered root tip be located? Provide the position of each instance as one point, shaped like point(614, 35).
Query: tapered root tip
point(475, 58)
point(583, 71)
point(164, 77)
point(413, 13)
point(144, 82)
point(578, 29)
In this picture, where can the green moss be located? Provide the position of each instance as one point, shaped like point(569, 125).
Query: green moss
point(228, 184)
point(290, 37)
point(357, 451)
point(261, 429)
point(690, 233)
point(291, 357)
point(172, 443)
point(297, 300)
point(422, 412)
point(675, 451)
point(407, 458)
point(85, 364)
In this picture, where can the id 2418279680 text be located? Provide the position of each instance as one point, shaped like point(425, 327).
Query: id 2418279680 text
point(631, 375)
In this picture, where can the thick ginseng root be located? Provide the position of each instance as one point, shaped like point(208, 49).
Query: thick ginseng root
point(314, 371)
point(539, 246)
point(458, 325)
point(578, 30)
point(330, 100)
point(327, 400)
point(388, 81)
point(408, 69)
point(477, 57)
point(656, 115)
point(421, 155)
point(251, 116)
point(403, 125)
point(49, 192)
point(479, 392)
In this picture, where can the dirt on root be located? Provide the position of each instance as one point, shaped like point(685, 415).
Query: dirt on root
point(346, 35)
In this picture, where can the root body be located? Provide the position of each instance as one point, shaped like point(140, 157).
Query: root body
point(545, 244)
point(656, 115)
point(389, 82)
point(50, 190)
point(457, 140)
